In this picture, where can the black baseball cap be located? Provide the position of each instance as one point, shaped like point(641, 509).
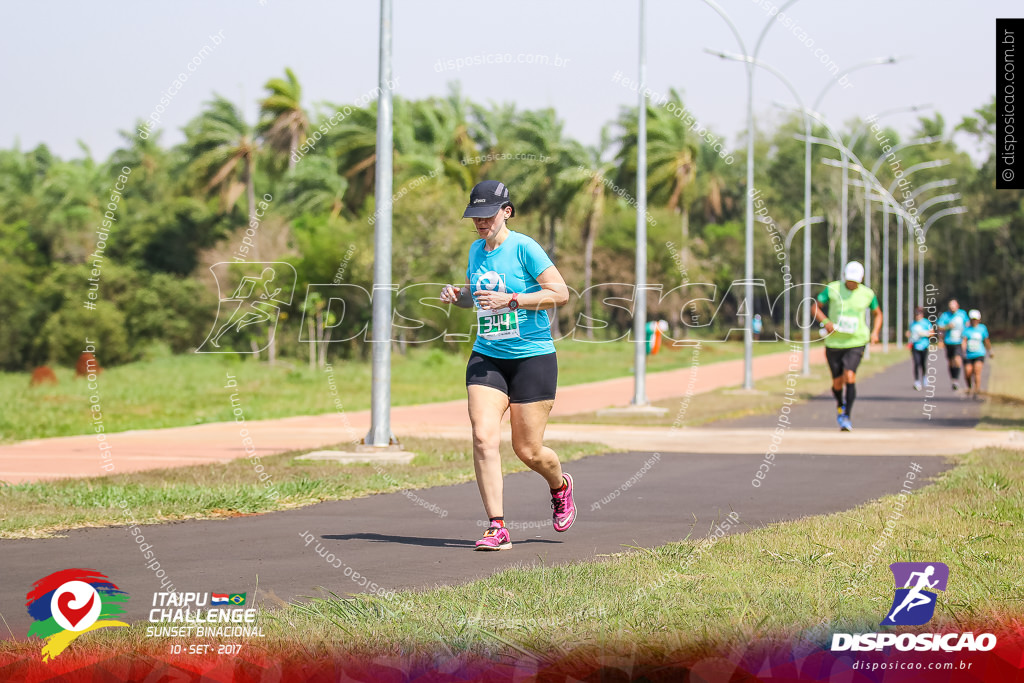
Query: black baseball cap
point(486, 198)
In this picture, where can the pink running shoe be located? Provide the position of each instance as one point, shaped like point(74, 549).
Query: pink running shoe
point(565, 508)
point(495, 538)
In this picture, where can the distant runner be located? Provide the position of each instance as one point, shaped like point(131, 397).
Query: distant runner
point(920, 334)
point(511, 281)
point(976, 346)
point(953, 322)
point(848, 303)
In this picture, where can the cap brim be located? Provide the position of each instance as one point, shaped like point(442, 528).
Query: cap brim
point(481, 211)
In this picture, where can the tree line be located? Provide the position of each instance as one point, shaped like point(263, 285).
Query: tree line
point(297, 185)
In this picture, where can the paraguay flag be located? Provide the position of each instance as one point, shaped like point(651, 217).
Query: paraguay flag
point(218, 598)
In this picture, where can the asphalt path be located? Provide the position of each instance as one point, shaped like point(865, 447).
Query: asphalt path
point(424, 538)
point(887, 400)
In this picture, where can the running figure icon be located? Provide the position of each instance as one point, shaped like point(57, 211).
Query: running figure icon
point(914, 597)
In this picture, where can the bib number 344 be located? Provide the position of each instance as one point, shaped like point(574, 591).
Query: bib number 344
point(502, 323)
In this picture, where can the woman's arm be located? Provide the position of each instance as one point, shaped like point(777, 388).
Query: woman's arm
point(553, 292)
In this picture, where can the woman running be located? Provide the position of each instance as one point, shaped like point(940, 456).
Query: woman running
point(920, 335)
point(511, 282)
point(976, 346)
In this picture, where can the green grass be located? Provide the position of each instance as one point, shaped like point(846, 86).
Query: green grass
point(726, 404)
point(189, 389)
point(1004, 396)
point(230, 489)
point(694, 597)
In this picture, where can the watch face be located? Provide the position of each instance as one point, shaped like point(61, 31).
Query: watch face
point(513, 304)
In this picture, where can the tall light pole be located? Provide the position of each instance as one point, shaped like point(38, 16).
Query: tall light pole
point(801, 224)
point(380, 395)
point(748, 267)
point(953, 210)
point(935, 163)
point(843, 251)
point(885, 279)
point(640, 298)
point(885, 258)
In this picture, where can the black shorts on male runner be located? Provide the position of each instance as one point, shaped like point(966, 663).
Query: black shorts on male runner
point(841, 360)
point(954, 350)
point(523, 380)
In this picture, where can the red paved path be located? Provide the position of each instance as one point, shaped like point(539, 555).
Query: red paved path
point(79, 456)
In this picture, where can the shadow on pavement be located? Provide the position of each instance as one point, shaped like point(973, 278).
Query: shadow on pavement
point(426, 542)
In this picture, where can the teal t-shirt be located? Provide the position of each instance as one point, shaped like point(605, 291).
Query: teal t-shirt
point(919, 330)
point(957, 322)
point(976, 336)
point(512, 267)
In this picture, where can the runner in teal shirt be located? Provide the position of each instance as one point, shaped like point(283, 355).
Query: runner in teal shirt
point(920, 335)
point(510, 284)
point(953, 322)
point(976, 346)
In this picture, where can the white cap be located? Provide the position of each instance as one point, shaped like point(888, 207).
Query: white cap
point(975, 314)
point(854, 271)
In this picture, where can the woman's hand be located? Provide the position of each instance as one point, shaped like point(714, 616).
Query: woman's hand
point(450, 294)
point(489, 300)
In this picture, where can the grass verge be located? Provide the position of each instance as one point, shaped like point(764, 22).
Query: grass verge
point(183, 390)
point(1004, 396)
point(728, 404)
point(696, 597)
point(231, 489)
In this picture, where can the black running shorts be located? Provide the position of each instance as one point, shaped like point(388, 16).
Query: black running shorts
point(954, 350)
point(523, 380)
point(840, 360)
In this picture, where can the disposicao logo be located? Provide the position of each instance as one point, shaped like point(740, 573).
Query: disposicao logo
point(71, 602)
point(912, 605)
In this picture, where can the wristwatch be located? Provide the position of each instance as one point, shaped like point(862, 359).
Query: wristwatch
point(514, 303)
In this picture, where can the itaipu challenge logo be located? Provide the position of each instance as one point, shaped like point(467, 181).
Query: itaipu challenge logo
point(71, 602)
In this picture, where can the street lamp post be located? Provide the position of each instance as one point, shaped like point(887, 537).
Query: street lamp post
point(640, 297)
point(953, 210)
point(806, 318)
point(380, 401)
point(843, 251)
point(748, 268)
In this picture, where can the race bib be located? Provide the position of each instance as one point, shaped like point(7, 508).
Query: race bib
point(956, 330)
point(502, 323)
point(847, 324)
point(975, 346)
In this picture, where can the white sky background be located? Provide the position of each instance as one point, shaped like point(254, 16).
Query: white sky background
point(82, 70)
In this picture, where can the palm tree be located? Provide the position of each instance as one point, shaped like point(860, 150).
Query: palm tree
point(491, 130)
point(433, 136)
point(672, 152)
point(538, 133)
point(224, 149)
point(283, 122)
point(315, 187)
point(587, 182)
point(352, 143)
point(148, 161)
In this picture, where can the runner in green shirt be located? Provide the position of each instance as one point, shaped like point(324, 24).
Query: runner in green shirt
point(848, 334)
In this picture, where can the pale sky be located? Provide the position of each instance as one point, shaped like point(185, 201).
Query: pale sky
point(82, 70)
